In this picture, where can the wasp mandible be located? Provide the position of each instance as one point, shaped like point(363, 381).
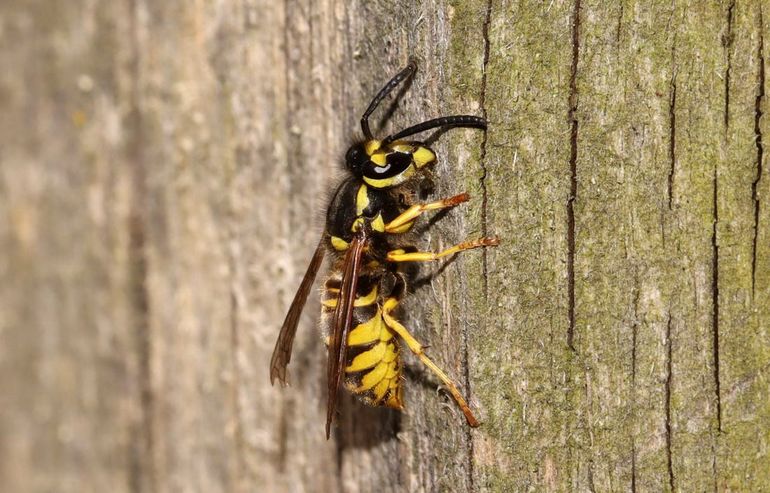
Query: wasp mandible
point(369, 235)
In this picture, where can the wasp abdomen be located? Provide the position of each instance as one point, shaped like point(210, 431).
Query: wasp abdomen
point(373, 367)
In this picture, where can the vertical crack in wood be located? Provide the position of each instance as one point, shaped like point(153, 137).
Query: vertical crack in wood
point(669, 376)
point(714, 474)
point(634, 336)
point(483, 157)
point(715, 295)
point(727, 42)
point(618, 29)
point(635, 330)
point(572, 118)
point(672, 127)
point(633, 466)
point(591, 483)
point(142, 453)
point(760, 146)
point(484, 231)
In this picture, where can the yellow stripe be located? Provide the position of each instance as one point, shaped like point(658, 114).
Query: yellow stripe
point(373, 377)
point(367, 359)
point(339, 243)
point(380, 390)
point(402, 147)
point(423, 156)
point(330, 303)
point(371, 146)
point(378, 224)
point(366, 300)
point(367, 332)
point(392, 181)
point(392, 352)
point(392, 370)
point(379, 158)
point(362, 200)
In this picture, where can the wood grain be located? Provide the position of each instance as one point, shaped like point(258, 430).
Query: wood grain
point(164, 167)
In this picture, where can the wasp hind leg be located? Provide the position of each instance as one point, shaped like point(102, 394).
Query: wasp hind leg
point(419, 350)
point(402, 256)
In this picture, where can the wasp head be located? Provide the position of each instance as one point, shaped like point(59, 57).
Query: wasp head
point(389, 165)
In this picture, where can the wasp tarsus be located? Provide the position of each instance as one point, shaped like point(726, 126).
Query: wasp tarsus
point(368, 232)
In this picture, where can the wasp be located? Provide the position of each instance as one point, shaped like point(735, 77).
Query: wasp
point(367, 233)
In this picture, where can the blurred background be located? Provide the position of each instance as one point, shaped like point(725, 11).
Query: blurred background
point(164, 172)
point(164, 168)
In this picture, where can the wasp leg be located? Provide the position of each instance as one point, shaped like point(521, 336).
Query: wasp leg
point(401, 256)
point(419, 350)
point(398, 224)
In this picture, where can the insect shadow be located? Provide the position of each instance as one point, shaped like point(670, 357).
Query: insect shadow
point(365, 427)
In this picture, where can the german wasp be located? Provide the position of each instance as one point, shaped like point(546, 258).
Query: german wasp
point(368, 234)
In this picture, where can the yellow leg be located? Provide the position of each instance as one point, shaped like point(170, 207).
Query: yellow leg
point(418, 350)
point(413, 212)
point(401, 256)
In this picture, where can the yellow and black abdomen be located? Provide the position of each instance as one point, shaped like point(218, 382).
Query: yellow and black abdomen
point(373, 367)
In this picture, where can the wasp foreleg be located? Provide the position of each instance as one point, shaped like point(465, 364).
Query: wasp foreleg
point(405, 218)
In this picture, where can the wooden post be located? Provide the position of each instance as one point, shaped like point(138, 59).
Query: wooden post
point(164, 169)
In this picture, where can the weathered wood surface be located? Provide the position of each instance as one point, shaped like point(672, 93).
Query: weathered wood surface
point(162, 165)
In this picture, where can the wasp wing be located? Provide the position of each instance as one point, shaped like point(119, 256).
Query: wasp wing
point(343, 319)
point(282, 352)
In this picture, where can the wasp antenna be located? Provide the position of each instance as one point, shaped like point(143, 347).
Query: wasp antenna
point(410, 69)
point(443, 121)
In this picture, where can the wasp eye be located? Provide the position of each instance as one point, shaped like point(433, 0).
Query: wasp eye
point(356, 158)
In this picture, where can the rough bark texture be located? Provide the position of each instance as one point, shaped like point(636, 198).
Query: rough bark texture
point(163, 168)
